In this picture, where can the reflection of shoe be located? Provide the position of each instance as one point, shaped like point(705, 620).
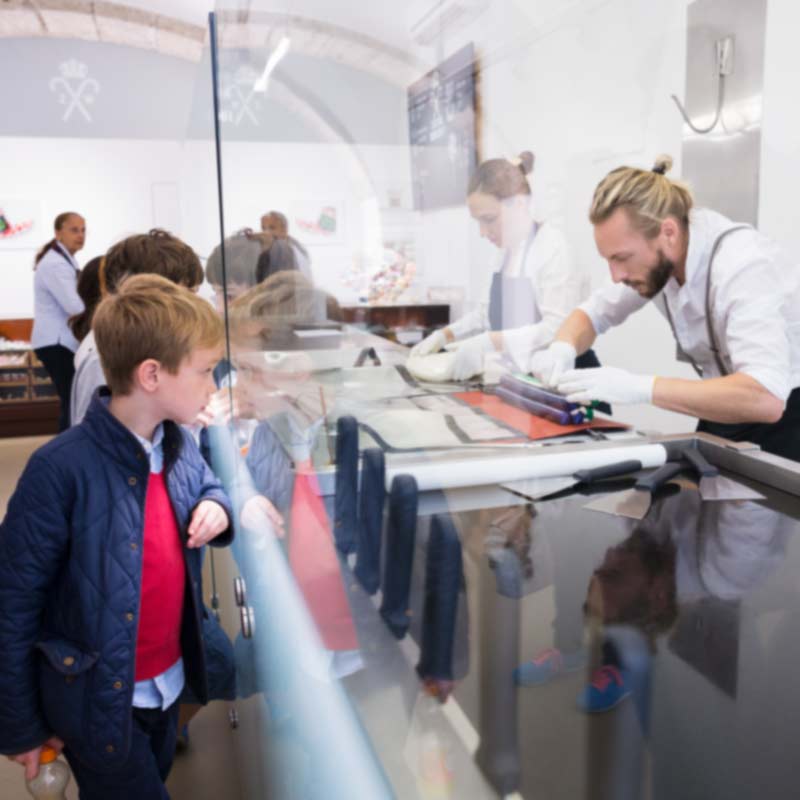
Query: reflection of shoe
point(547, 665)
point(607, 689)
point(182, 740)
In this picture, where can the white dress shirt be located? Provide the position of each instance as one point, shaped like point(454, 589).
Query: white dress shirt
point(558, 287)
point(88, 378)
point(55, 299)
point(754, 298)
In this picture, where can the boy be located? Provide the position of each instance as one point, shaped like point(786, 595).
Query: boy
point(99, 555)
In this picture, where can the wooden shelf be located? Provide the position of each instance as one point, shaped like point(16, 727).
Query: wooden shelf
point(394, 317)
point(32, 414)
point(29, 418)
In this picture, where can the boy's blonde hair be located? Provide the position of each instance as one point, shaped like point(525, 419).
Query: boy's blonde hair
point(648, 196)
point(151, 317)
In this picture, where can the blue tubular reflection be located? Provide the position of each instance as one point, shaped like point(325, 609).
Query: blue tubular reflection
point(346, 499)
point(400, 536)
point(370, 519)
point(443, 579)
point(315, 742)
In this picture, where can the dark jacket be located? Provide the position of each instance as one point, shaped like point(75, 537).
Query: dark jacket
point(70, 575)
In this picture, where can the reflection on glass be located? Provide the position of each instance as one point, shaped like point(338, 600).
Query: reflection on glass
point(412, 641)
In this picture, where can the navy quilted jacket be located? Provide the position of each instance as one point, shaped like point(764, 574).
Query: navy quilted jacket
point(70, 573)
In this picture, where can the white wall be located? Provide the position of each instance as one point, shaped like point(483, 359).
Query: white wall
point(108, 181)
point(129, 186)
point(780, 136)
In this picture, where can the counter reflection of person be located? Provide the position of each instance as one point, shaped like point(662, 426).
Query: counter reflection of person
point(241, 251)
point(686, 550)
point(55, 300)
point(275, 389)
point(277, 225)
point(729, 294)
point(278, 256)
point(536, 286)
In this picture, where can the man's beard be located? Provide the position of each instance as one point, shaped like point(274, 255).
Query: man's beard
point(657, 278)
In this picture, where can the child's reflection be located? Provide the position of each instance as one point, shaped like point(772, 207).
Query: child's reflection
point(686, 552)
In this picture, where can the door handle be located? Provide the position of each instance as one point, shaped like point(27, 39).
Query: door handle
point(248, 620)
point(240, 591)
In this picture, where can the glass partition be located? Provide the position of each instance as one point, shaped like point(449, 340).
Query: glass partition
point(424, 604)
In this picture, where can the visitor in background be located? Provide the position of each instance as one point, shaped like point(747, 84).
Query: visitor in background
point(277, 225)
point(55, 300)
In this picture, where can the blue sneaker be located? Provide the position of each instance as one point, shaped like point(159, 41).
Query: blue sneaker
point(608, 688)
point(182, 740)
point(547, 665)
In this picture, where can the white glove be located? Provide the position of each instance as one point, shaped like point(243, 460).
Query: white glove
point(469, 356)
point(548, 365)
point(430, 344)
point(606, 383)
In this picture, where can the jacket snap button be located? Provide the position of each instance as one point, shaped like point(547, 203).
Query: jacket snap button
point(129, 617)
point(117, 684)
point(69, 679)
point(109, 748)
point(68, 661)
point(132, 481)
point(134, 546)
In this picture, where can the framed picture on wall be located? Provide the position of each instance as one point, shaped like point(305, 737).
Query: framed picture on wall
point(316, 223)
point(442, 124)
point(22, 224)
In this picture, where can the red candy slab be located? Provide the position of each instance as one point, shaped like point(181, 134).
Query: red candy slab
point(529, 424)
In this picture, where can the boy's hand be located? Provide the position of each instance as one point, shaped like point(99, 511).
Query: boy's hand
point(30, 759)
point(259, 509)
point(208, 520)
point(220, 410)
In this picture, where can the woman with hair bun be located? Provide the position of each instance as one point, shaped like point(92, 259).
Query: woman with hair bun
point(535, 287)
point(730, 295)
point(55, 300)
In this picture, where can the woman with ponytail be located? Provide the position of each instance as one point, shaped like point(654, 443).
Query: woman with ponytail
point(535, 286)
point(729, 294)
point(55, 300)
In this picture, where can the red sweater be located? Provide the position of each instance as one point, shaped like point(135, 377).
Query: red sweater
point(158, 645)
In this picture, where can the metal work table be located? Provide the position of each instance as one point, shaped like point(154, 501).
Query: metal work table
point(711, 706)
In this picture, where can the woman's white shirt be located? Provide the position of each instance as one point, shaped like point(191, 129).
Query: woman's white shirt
point(558, 284)
point(55, 299)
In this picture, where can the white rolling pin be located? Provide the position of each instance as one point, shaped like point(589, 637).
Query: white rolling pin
point(478, 471)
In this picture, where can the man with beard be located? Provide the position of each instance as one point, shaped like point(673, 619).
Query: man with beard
point(731, 297)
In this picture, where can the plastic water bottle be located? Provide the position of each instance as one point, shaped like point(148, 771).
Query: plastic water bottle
point(53, 777)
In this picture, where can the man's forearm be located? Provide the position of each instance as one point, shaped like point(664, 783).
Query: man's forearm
point(733, 399)
point(578, 331)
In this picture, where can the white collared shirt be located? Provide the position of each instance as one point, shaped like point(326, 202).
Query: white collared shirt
point(755, 304)
point(55, 299)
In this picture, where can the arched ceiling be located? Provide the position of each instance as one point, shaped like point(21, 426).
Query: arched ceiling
point(184, 36)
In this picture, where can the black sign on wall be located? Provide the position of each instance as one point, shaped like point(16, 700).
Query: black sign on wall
point(441, 119)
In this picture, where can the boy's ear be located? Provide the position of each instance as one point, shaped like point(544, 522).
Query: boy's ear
point(148, 375)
